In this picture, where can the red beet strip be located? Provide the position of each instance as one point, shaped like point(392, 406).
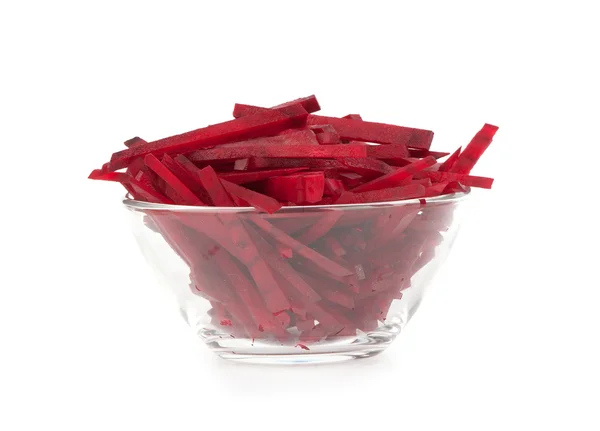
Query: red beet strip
point(310, 104)
point(135, 141)
point(253, 176)
point(388, 194)
point(376, 132)
point(184, 195)
point(396, 177)
point(474, 150)
point(467, 180)
point(308, 253)
point(252, 126)
point(284, 151)
point(257, 200)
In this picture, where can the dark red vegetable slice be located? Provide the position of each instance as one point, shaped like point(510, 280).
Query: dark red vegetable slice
point(367, 166)
point(253, 176)
point(387, 194)
point(183, 195)
point(320, 228)
point(472, 152)
point(328, 138)
point(144, 190)
point(208, 179)
point(395, 178)
point(298, 188)
point(133, 142)
point(252, 126)
point(435, 190)
point(283, 151)
point(310, 104)
point(295, 136)
point(282, 267)
point(335, 247)
point(274, 163)
point(118, 177)
point(326, 134)
point(376, 132)
point(467, 180)
point(250, 297)
point(186, 177)
point(384, 152)
point(257, 200)
point(333, 187)
point(455, 187)
point(351, 179)
point(306, 252)
point(417, 152)
point(450, 161)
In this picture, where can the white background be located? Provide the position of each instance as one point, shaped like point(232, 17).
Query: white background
point(509, 337)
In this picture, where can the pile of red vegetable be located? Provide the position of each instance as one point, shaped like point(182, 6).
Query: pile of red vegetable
point(325, 272)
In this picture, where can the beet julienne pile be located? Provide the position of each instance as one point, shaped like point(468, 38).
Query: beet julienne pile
point(326, 273)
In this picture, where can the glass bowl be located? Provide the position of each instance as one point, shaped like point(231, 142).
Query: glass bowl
point(306, 284)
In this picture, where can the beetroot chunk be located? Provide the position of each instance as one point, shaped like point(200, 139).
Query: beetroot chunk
point(298, 188)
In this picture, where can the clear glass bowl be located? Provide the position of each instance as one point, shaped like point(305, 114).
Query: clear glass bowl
point(307, 284)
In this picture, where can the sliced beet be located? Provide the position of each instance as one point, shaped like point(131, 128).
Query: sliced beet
point(320, 228)
point(450, 161)
point(144, 190)
point(467, 180)
point(257, 200)
point(252, 126)
point(376, 132)
point(282, 267)
point(208, 179)
point(367, 166)
point(326, 134)
point(333, 187)
point(134, 142)
point(382, 195)
point(351, 179)
point(310, 104)
point(298, 188)
point(420, 153)
point(396, 177)
point(183, 195)
point(253, 176)
point(186, 177)
point(384, 152)
point(472, 152)
point(306, 252)
point(284, 151)
point(275, 163)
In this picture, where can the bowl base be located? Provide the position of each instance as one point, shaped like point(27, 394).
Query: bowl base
point(363, 345)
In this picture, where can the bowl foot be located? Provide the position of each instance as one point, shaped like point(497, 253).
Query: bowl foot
point(340, 349)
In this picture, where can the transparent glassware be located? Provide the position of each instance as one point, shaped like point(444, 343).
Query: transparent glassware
point(307, 284)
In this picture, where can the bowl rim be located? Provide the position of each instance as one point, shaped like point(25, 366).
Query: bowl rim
point(142, 205)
